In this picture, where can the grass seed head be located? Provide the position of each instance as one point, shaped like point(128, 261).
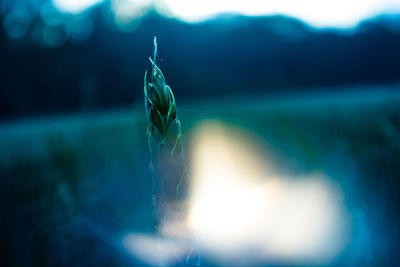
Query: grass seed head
point(164, 131)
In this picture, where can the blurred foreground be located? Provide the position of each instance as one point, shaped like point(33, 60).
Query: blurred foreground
point(74, 188)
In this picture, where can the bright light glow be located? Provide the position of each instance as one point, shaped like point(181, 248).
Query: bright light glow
point(331, 13)
point(120, 7)
point(126, 11)
point(74, 6)
point(328, 13)
point(239, 205)
point(241, 211)
point(153, 250)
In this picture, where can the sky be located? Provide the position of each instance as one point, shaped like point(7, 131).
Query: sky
point(325, 13)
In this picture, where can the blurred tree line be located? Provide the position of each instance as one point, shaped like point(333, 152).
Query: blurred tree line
point(232, 55)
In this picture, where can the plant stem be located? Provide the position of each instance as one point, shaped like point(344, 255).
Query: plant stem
point(164, 135)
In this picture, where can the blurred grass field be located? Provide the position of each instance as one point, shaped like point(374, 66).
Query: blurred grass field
point(73, 186)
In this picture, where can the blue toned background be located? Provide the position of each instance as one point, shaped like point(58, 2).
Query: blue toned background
point(320, 84)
